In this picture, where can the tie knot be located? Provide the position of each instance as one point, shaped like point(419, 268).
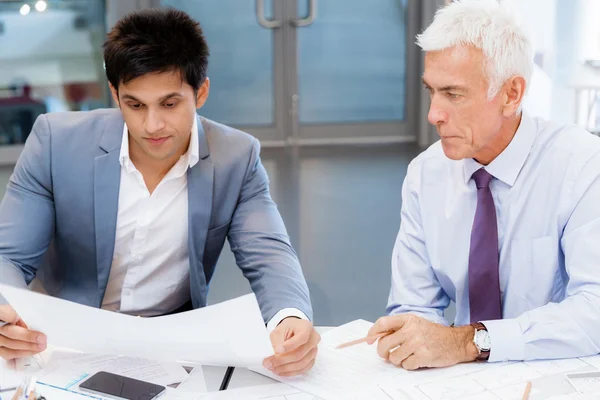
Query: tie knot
point(482, 178)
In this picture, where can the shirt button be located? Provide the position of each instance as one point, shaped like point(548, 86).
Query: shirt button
point(127, 292)
point(137, 258)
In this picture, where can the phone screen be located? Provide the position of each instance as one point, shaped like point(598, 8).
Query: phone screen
point(121, 386)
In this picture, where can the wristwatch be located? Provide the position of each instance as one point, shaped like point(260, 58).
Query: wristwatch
point(482, 341)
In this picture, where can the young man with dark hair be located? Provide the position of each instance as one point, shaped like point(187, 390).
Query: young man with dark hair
point(129, 209)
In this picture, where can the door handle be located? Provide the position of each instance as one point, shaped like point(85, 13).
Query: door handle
point(310, 18)
point(262, 20)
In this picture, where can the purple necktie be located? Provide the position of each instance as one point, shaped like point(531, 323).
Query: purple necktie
point(484, 281)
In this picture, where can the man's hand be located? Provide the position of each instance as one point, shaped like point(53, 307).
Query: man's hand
point(16, 340)
point(295, 343)
point(418, 343)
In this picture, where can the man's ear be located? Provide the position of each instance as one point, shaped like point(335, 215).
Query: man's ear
point(114, 93)
point(202, 94)
point(514, 91)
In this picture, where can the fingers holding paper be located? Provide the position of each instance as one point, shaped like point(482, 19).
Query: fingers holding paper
point(418, 343)
point(295, 343)
point(16, 340)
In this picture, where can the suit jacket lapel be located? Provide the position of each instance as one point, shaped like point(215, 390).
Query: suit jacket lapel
point(200, 194)
point(107, 179)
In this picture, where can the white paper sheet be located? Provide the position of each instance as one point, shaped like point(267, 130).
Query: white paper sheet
point(27, 364)
point(586, 384)
point(276, 391)
point(434, 374)
point(571, 396)
point(482, 396)
point(451, 389)
point(9, 377)
point(194, 383)
point(52, 393)
point(350, 373)
point(505, 376)
point(500, 381)
point(551, 367)
point(230, 333)
point(515, 392)
point(66, 370)
point(594, 361)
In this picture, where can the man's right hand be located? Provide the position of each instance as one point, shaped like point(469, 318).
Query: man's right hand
point(16, 340)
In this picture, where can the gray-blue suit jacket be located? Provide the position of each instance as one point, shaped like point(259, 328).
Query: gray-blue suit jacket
point(59, 214)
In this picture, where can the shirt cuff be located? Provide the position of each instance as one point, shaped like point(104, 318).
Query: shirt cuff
point(436, 319)
point(283, 314)
point(506, 340)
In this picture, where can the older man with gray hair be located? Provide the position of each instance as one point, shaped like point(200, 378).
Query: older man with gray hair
point(500, 216)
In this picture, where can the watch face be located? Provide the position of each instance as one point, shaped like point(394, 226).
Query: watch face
point(483, 341)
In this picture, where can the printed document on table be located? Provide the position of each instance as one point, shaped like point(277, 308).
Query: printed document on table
point(276, 391)
point(68, 369)
point(350, 373)
point(503, 381)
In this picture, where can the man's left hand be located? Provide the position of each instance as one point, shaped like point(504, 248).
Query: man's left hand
point(295, 343)
point(418, 343)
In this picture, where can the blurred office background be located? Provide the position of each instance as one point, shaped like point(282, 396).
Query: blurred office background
point(330, 87)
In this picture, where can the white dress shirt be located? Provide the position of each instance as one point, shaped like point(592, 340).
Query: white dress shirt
point(546, 190)
point(149, 274)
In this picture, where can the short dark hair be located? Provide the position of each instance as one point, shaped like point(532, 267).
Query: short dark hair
point(156, 40)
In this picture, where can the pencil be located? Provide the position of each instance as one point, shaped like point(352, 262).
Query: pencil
point(365, 339)
point(527, 390)
point(227, 378)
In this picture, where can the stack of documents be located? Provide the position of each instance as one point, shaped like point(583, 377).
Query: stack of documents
point(357, 372)
point(351, 373)
point(65, 370)
point(500, 381)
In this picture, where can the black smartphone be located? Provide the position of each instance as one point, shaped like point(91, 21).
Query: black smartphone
point(121, 387)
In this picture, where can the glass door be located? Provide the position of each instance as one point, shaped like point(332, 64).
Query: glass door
point(355, 62)
point(245, 68)
point(311, 72)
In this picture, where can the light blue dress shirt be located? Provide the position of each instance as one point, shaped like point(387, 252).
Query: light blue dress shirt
point(547, 196)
